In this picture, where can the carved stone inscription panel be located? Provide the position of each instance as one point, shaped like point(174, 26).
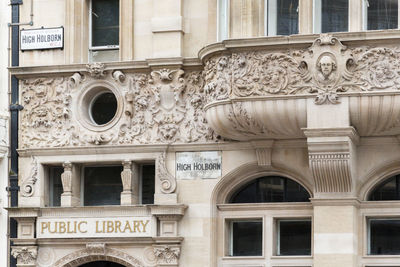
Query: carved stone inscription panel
point(165, 106)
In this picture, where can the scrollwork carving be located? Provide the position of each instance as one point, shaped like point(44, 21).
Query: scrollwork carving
point(167, 254)
point(168, 182)
point(28, 185)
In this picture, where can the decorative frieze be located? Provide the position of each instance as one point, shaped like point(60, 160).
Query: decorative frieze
point(165, 106)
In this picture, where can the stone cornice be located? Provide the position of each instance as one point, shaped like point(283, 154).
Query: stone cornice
point(137, 65)
point(335, 202)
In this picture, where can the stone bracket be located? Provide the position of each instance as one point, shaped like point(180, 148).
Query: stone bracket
point(26, 255)
point(331, 153)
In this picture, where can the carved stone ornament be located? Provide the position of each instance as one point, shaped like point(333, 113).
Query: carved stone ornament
point(126, 176)
point(163, 107)
point(167, 254)
point(95, 252)
point(327, 68)
point(96, 70)
point(66, 177)
point(25, 255)
point(168, 181)
point(28, 185)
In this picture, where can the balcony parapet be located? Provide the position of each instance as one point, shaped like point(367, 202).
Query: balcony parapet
point(265, 92)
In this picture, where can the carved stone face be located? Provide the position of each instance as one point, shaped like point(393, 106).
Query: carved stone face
point(326, 65)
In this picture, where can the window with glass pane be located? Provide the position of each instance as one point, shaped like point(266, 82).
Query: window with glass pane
point(105, 22)
point(382, 14)
point(55, 186)
point(384, 237)
point(287, 17)
point(333, 16)
point(271, 189)
point(102, 185)
point(294, 237)
point(388, 190)
point(148, 184)
point(246, 238)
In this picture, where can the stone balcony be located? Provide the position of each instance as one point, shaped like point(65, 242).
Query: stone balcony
point(259, 89)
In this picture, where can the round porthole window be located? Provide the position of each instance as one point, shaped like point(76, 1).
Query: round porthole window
point(99, 106)
point(103, 108)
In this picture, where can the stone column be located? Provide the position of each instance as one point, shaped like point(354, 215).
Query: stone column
point(130, 183)
point(69, 198)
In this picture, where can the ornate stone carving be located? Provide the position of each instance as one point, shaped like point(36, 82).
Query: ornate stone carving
point(45, 257)
point(96, 248)
point(126, 176)
point(80, 257)
point(164, 107)
point(167, 254)
point(66, 177)
point(168, 182)
point(326, 69)
point(25, 255)
point(28, 185)
point(96, 70)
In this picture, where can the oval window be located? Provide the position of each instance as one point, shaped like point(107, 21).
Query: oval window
point(103, 108)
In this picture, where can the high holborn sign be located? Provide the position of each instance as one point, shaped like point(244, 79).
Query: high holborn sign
point(44, 38)
point(94, 227)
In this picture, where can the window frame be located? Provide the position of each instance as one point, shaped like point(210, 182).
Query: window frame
point(365, 16)
point(368, 237)
point(92, 48)
point(317, 16)
point(277, 234)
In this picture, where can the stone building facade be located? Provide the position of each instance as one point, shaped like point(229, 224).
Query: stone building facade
point(192, 139)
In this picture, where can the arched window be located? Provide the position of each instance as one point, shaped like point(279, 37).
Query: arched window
point(270, 189)
point(387, 190)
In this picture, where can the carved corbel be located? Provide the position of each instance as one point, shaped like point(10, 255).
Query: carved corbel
point(75, 79)
point(331, 155)
point(263, 152)
point(119, 76)
point(167, 254)
point(26, 256)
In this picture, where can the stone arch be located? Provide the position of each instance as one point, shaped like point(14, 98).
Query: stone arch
point(237, 178)
point(87, 255)
point(376, 176)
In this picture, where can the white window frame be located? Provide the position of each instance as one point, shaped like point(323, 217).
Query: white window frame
point(365, 5)
point(369, 219)
point(230, 231)
point(270, 18)
point(278, 230)
point(317, 22)
point(97, 48)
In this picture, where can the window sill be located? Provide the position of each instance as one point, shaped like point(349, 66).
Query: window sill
point(242, 257)
point(381, 256)
point(299, 257)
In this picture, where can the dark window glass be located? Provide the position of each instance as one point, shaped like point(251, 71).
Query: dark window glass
point(55, 186)
point(271, 189)
point(246, 238)
point(103, 186)
point(105, 22)
point(382, 14)
point(384, 238)
point(294, 238)
point(101, 264)
point(148, 184)
point(287, 17)
point(334, 15)
point(388, 190)
point(104, 108)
